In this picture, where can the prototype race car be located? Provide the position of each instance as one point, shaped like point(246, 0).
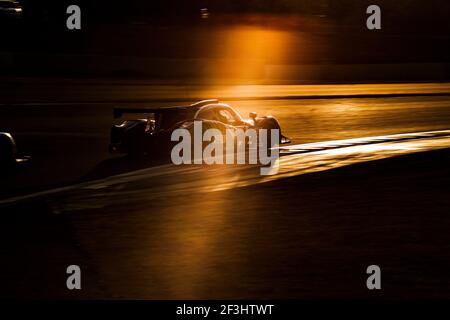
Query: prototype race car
point(153, 133)
point(8, 152)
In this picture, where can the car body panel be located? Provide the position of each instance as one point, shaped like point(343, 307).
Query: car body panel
point(152, 135)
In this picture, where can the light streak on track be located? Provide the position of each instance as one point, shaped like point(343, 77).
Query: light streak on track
point(168, 180)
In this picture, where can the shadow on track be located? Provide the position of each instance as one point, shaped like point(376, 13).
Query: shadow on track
point(123, 164)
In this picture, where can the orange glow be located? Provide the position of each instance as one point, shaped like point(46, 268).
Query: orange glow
point(245, 51)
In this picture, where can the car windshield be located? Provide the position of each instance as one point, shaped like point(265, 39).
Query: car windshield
point(224, 115)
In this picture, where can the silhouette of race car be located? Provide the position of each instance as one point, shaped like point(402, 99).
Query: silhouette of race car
point(8, 152)
point(153, 134)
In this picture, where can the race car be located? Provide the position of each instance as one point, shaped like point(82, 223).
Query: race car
point(8, 152)
point(152, 134)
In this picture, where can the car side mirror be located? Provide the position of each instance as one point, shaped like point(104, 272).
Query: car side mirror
point(252, 115)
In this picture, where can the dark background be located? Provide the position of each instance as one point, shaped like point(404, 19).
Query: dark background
point(333, 32)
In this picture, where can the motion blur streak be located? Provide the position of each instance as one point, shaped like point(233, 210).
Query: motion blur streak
point(158, 182)
point(344, 90)
point(329, 159)
point(72, 91)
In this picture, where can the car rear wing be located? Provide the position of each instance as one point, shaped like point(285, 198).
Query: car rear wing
point(118, 112)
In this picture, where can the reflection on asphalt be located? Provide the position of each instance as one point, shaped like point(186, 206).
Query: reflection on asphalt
point(146, 185)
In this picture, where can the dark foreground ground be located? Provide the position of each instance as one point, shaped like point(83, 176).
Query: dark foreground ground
point(309, 236)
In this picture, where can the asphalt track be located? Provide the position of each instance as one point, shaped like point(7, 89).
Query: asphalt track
point(163, 231)
point(198, 233)
point(50, 132)
point(169, 180)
